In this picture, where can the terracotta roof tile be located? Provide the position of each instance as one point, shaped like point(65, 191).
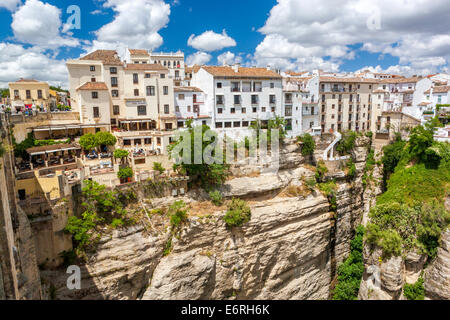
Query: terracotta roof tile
point(348, 80)
point(93, 86)
point(400, 80)
point(139, 52)
point(242, 72)
point(441, 89)
point(109, 57)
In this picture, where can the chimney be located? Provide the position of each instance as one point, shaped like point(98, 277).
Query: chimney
point(268, 68)
point(236, 67)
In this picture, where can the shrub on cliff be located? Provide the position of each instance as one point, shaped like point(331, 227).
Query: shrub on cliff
point(238, 213)
point(177, 213)
point(415, 291)
point(216, 198)
point(308, 145)
point(347, 142)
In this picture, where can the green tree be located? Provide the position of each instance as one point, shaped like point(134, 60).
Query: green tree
point(157, 166)
point(347, 143)
point(88, 142)
point(121, 154)
point(105, 138)
point(419, 141)
point(207, 175)
point(308, 145)
point(125, 173)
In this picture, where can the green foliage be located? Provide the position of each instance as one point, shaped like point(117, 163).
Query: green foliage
point(88, 142)
point(311, 183)
point(351, 270)
point(419, 141)
point(434, 219)
point(125, 173)
point(216, 198)
point(415, 291)
point(177, 213)
point(329, 189)
point(392, 155)
point(321, 170)
point(20, 149)
point(4, 93)
point(369, 134)
point(309, 144)
point(206, 175)
point(2, 149)
point(117, 222)
point(81, 228)
point(351, 169)
point(168, 247)
point(347, 142)
point(105, 138)
point(121, 154)
point(157, 166)
point(238, 213)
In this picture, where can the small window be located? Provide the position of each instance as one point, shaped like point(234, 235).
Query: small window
point(136, 92)
point(148, 75)
point(163, 75)
point(116, 110)
point(150, 90)
point(219, 85)
point(237, 124)
point(115, 93)
point(233, 110)
point(165, 90)
point(245, 123)
point(113, 70)
point(28, 93)
point(39, 94)
point(166, 109)
point(219, 125)
point(135, 78)
point(272, 85)
point(114, 82)
point(244, 110)
point(181, 96)
point(92, 68)
point(220, 110)
point(94, 95)
point(177, 108)
point(142, 110)
point(96, 112)
point(227, 124)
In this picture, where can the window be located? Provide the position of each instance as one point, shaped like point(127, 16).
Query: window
point(272, 99)
point(115, 93)
point(113, 122)
point(136, 92)
point(150, 90)
point(114, 82)
point(219, 100)
point(177, 108)
point(180, 124)
point(16, 93)
point(237, 99)
point(254, 109)
point(219, 110)
point(96, 112)
point(219, 85)
point(162, 75)
point(245, 123)
point(165, 90)
point(219, 125)
point(272, 85)
point(142, 110)
point(254, 99)
point(181, 96)
point(113, 70)
point(148, 141)
point(257, 86)
point(227, 124)
point(28, 93)
point(235, 86)
point(94, 95)
point(273, 109)
point(263, 109)
point(127, 142)
point(244, 110)
point(288, 111)
point(93, 79)
point(237, 124)
point(148, 75)
point(232, 110)
point(177, 74)
point(135, 78)
point(92, 68)
point(116, 110)
point(40, 94)
point(166, 109)
point(168, 126)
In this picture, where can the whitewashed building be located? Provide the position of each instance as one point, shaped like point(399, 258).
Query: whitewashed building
point(190, 104)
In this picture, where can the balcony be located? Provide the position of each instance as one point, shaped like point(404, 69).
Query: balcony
point(310, 112)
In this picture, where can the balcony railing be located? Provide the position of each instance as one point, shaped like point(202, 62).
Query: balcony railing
point(310, 112)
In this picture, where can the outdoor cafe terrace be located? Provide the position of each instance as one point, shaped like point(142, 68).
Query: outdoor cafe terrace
point(53, 155)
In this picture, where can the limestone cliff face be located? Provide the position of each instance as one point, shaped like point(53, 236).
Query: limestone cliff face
point(288, 250)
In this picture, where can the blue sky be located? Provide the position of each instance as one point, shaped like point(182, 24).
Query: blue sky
point(287, 34)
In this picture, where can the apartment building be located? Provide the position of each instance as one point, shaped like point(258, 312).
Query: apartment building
point(135, 99)
point(236, 96)
point(174, 61)
point(190, 104)
point(346, 104)
point(28, 93)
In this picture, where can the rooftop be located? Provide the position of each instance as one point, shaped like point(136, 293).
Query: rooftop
point(187, 89)
point(242, 72)
point(139, 52)
point(109, 57)
point(93, 86)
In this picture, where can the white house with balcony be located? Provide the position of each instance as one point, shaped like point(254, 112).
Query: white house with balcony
point(236, 96)
point(190, 105)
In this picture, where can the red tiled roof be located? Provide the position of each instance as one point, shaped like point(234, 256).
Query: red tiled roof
point(242, 72)
point(109, 57)
point(139, 52)
point(93, 86)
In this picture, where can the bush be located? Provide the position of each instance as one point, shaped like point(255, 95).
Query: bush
point(415, 291)
point(157, 166)
point(105, 138)
point(238, 213)
point(88, 142)
point(351, 169)
point(177, 213)
point(321, 170)
point(117, 223)
point(216, 198)
point(347, 142)
point(309, 144)
point(125, 173)
point(329, 189)
point(351, 270)
point(121, 154)
point(311, 183)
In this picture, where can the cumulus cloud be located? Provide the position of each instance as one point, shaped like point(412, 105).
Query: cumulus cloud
point(228, 58)
point(17, 62)
point(211, 41)
point(39, 23)
point(11, 5)
point(326, 29)
point(199, 58)
point(136, 24)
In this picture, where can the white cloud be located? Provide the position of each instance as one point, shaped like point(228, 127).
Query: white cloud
point(11, 5)
point(40, 24)
point(228, 58)
point(199, 58)
point(17, 62)
point(211, 41)
point(412, 30)
point(136, 24)
point(97, 12)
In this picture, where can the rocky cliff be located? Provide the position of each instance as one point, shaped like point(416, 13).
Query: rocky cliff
point(289, 250)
